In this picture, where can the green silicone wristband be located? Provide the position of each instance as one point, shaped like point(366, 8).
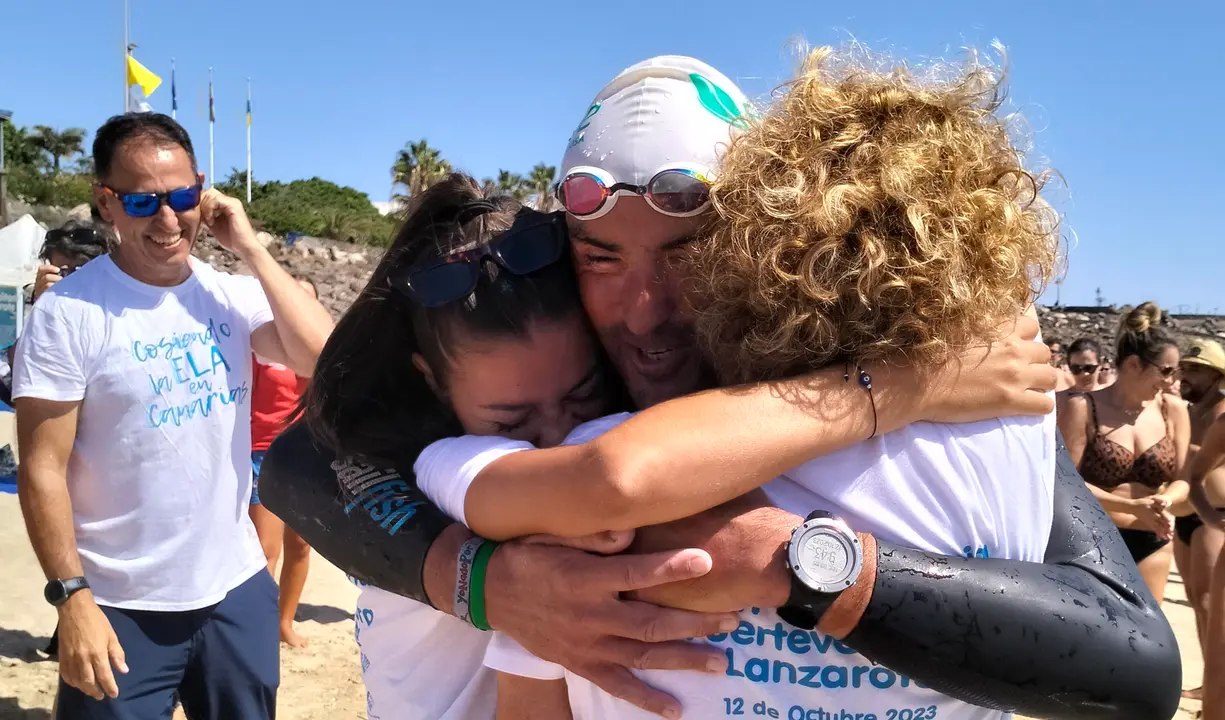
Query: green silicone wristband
point(477, 593)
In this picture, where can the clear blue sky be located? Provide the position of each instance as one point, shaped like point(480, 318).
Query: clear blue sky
point(1126, 98)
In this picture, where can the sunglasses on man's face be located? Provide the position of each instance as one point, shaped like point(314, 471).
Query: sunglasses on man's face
point(1082, 369)
point(144, 205)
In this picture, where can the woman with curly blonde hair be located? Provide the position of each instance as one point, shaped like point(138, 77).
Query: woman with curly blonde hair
point(883, 224)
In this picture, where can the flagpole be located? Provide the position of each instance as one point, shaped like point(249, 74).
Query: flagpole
point(248, 141)
point(210, 127)
point(126, 51)
point(174, 97)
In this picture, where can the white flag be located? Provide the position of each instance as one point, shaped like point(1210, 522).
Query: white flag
point(137, 101)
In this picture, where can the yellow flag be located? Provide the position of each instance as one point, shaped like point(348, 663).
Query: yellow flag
point(140, 75)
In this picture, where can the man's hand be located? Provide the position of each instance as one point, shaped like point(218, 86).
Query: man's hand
point(566, 606)
point(227, 218)
point(747, 539)
point(88, 648)
point(47, 276)
point(1009, 377)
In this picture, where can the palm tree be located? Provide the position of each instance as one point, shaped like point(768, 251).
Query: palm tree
point(541, 183)
point(417, 167)
point(58, 144)
point(513, 184)
point(19, 149)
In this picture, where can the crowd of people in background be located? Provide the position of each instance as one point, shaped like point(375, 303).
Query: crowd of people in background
point(1135, 435)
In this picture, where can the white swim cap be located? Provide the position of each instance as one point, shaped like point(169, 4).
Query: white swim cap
point(667, 111)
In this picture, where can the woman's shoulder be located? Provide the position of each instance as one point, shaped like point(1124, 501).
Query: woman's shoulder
point(1176, 407)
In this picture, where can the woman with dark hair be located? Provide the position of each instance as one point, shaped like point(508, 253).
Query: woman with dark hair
point(1084, 361)
point(469, 324)
point(1130, 442)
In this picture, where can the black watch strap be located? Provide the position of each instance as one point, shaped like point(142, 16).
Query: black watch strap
point(805, 607)
point(57, 592)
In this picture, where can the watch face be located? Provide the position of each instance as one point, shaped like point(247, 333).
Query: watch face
point(826, 556)
point(54, 592)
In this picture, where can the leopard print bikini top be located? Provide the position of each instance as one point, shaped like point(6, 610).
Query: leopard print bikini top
point(1108, 464)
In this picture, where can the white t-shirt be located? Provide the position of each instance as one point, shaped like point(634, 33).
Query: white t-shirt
point(418, 662)
point(160, 475)
point(979, 490)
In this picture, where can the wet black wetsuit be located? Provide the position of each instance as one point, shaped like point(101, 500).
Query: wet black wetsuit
point(1076, 636)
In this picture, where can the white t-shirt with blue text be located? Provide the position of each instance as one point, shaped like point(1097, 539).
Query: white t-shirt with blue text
point(160, 474)
point(977, 490)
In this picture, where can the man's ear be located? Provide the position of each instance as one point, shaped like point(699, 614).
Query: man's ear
point(101, 197)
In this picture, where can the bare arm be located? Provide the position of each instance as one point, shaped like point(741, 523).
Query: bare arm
point(46, 430)
point(1177, 491)
point(1025, 637)
point(300, 325)
point(1211, 454)
point(521, 698)
point(45, 434)
point(692, 453)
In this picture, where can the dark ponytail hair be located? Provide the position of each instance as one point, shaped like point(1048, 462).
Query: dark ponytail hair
point(366, 401)
point(1141, 334)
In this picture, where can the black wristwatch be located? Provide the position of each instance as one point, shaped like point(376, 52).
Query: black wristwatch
point(57, 592)
point(824, 557)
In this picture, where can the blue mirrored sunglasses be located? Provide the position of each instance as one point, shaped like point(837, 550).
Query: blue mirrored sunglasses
point(143, 205)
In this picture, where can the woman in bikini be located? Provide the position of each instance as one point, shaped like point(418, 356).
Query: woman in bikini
point(1130, 442)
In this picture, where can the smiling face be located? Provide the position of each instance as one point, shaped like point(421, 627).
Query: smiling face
point(153, 250)
point(630, 275)
point(1198, 380)
point(1151, 378)
point(536, 387)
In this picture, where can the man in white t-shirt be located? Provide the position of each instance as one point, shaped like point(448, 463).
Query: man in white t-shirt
point(132, 387)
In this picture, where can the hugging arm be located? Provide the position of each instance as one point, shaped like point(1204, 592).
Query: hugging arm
point(379, 534)
point(692, 453)
point(1074, 637)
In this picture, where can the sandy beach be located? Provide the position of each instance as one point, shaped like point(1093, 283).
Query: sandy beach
point(320, 682)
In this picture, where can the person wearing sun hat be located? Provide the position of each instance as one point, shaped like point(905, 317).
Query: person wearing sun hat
point(1195, 551)
point(1203, 369)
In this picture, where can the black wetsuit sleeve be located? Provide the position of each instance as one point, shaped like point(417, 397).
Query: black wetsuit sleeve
point(370, 522)
point(1077, 636)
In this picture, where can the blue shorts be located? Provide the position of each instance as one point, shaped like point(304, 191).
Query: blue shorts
point(223, 661)
point(257, 459)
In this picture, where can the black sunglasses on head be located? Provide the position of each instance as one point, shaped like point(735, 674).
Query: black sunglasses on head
point(533, 242)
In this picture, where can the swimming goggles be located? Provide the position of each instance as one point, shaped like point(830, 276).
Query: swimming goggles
point(143, 205)
point(676, 190)
point(533, 242)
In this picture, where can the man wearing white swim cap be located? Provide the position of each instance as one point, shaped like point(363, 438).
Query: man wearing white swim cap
point(635, 184)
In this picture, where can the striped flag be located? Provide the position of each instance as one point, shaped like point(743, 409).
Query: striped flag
point(248, 104)
point(212, 113)
point(174, 93)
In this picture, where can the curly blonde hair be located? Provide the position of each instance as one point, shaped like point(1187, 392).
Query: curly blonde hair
point(870, 215)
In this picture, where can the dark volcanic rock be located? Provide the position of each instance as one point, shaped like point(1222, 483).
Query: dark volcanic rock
point(1067, 324)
